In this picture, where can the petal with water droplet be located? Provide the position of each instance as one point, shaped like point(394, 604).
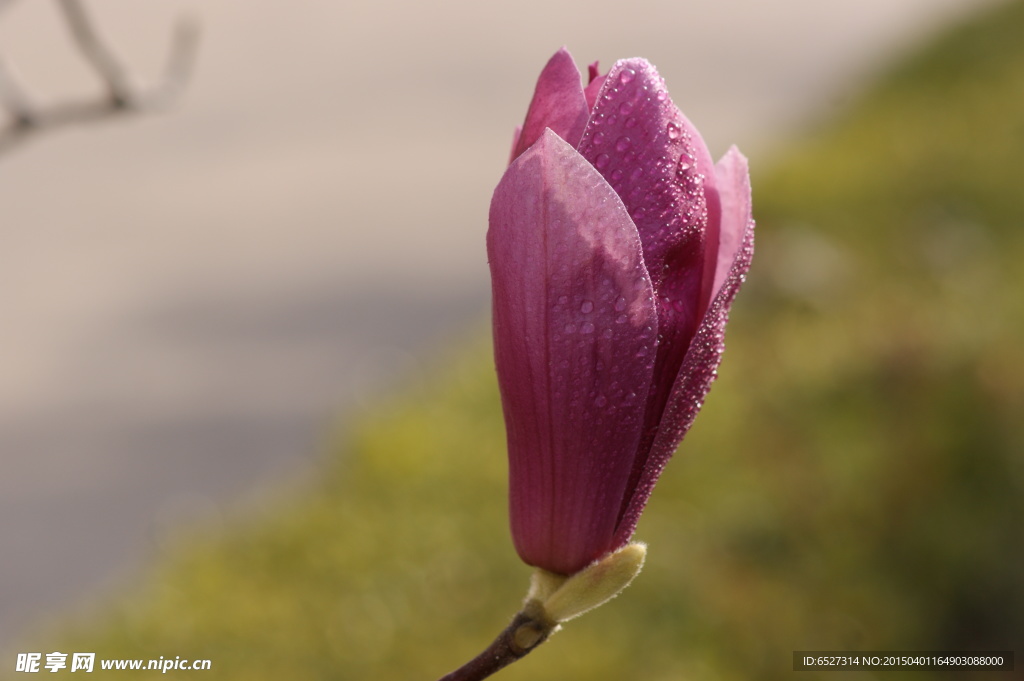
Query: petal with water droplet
point(668, 186)
point(669, 197)
point(558, 231)
point(698, 371)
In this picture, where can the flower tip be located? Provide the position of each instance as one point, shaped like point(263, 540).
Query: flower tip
point(734, 153)
point(563, 53)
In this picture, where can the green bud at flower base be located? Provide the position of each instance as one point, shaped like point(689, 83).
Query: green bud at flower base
point(562, 598)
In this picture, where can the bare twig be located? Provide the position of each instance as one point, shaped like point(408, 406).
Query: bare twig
point(121, 96)
point(527, 631)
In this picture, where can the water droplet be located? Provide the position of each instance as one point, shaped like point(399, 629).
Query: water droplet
point(601, 161)
point(661, 96)
point(586, 327)
point(627, 76)
point(674, 131)
point(607, 333)
point(626, 108)
point(587, 307)
point(621, 319)
point(599, 138)
point(631, 122)
point(570, 328)
point(620, 304)
point(562, 300)
point(637, 172)
point(639, 213)
point(623, 143)
point(617, 175)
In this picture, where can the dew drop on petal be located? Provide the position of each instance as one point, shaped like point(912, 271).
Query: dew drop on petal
point(674, 131)
point(570, 328)
point(631, 122)
point(601, 401)
point(620, 304)
point(599, 138)
point(587, 307)
point(586, 327)
point(626, 108)
point(607, 333)
point(601, 161)
point(623, 143)
point(627, 76)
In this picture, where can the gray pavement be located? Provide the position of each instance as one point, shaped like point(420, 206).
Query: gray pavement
point(190, 302)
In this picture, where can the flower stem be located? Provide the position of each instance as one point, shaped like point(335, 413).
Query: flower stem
point(552, 599)
point(527, 630)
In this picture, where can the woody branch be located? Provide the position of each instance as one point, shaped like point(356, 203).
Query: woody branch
point(25, 119)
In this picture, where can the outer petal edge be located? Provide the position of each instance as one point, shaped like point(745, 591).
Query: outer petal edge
point(697, 373)
point(574, 332)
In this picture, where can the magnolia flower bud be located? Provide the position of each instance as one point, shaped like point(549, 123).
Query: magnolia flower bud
point(616, 247)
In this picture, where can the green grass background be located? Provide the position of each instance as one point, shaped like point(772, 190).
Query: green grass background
point(855, 481)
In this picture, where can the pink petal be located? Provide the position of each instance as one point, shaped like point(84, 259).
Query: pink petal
point(558, 103)
point(658, 164)
point(574, 336)
point(733, 182)
point(592, 90)
point(698, 371)
point(594, 86)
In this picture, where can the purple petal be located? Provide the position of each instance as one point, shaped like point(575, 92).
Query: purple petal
point(658, 164)
point(594, 85)
point(574, 336)
point(558, 103)
point(698, 371)
point(733, 181)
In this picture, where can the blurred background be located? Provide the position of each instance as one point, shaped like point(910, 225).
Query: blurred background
point(202, 311)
